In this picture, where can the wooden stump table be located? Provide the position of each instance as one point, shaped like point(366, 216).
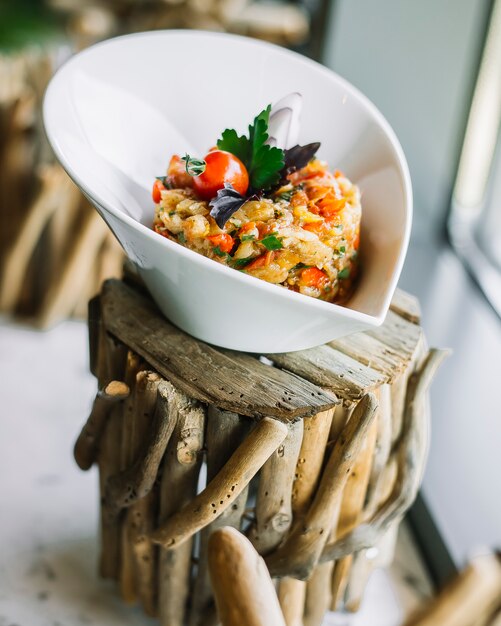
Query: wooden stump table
point(314, 455)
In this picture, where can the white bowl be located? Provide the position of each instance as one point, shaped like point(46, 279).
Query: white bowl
point(111, 114)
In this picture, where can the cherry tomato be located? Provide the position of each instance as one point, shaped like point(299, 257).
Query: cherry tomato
point(156, 193)
point(177, 174)
point(221, 167)
point(223, 240)
point(313, 277)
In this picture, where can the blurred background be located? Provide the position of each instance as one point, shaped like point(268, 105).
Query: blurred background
point(434, 70)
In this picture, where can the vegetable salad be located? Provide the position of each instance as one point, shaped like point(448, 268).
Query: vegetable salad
point(279, 215)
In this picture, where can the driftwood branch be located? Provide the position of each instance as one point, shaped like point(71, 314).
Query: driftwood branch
point(318, 594)
point(233, 563)
point(352, 504)
point(302, 549)
point(224, 433)
point(111, 365)
point(292, 595)
point(137, 480)
point(316, 430)
point(180, 472)
point(411, 453)
point(141, 515)
point(87, 444)
point(273, 503)
point(223, 490)
point(474, 594)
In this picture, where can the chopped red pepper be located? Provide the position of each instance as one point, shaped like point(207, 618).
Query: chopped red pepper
point(156, 193)
point(223, 240)
point(313, 277)
point(262, 261)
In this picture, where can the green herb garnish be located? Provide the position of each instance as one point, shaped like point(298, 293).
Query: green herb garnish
point(165, 181)
point(300, 266)
point(272, 242)
point(286, 195)
point(344, 273)
point(342, 249)
point(247, 238)
point(181, 237)
point(217, 250)
point(240, 263)
point(194, 167)
point(263, 162)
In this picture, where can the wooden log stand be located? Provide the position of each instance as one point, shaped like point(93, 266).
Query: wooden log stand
point(315, 456)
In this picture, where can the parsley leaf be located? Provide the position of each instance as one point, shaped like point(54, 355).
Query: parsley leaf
point(181, 237)
point(344, 273)
point(272, 242)
point(239, 146)
point(263, 162)
point(247, 238)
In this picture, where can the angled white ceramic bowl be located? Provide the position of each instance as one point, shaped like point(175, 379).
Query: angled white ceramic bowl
point(113, 115)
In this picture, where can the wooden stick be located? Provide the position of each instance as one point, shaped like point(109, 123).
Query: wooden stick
point(311, 456)
point(381, 452)
point(292, 592)
point(53, 181)
point(318, 588)
point(245, 595)
point(111, 364)
point(86, 446)
point(64, 293)
point(351, 508)
point(412, 453)
point(127, 578)
point(141, 515)
point(476, 590)
point(225, 432)
point(361, 568)
point(226, 486)
point(318, 594)
point(137, 480)
point(302, 549)
point(180, 471)
point(273, 503)
point(292, 596)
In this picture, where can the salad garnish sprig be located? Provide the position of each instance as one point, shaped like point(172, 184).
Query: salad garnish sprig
point(244, 167)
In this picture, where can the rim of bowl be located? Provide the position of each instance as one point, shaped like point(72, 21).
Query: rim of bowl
point(50, 125)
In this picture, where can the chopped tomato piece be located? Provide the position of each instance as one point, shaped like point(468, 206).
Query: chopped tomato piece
point(356, 241)
point(162, 231)
point(261, 261)
point(313, 277)
point(223, 240)
point(264, 229)
point(314, 227)
point(330, 205)
point(299, 199)
point(246, 227)
point(156, 193)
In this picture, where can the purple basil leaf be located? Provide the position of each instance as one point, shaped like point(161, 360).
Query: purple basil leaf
point(226, 202)
point(298, 156)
